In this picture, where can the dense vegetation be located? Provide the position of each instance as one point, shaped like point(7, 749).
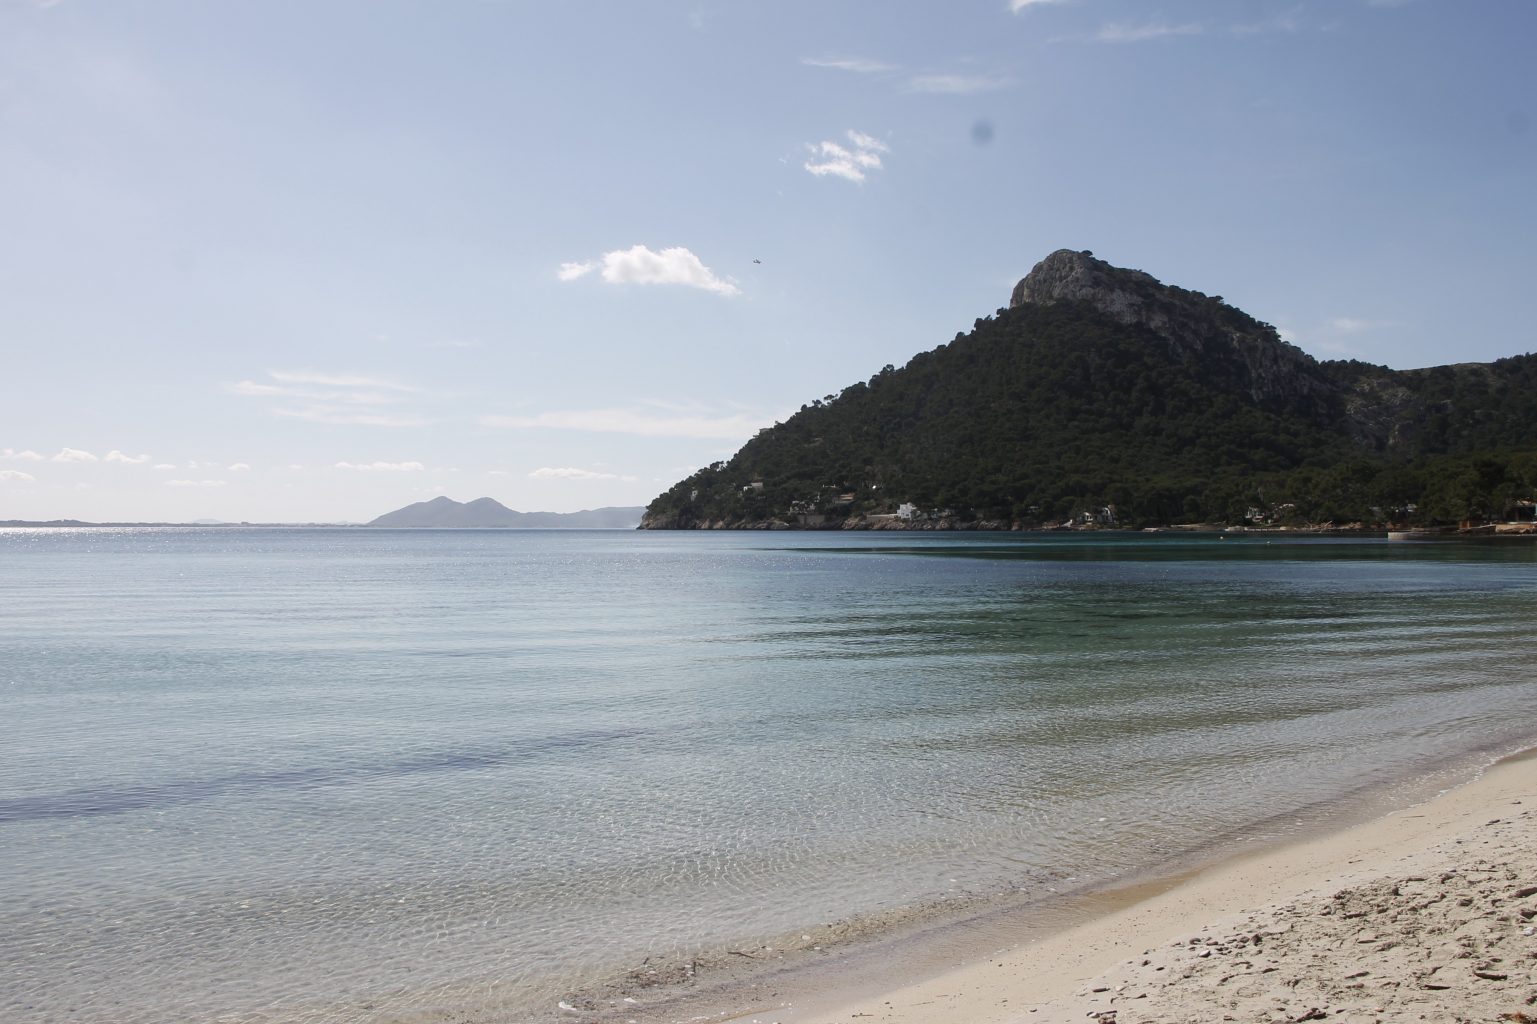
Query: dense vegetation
point(1046, 412)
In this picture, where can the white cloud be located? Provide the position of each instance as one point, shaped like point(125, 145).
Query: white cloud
point(1018, 5)
point(841, 162)
point(237, 467)
point(195, 483)
point(858, 65)
point(958, 85)
point(639, 265)
point(16, 476)
point(74, 455)
point(21, 456)
point(1123, 32)
point(675, 423)
point(868, 143)
point(383, 467)
point(131, 460)
point(164, 465)
point(572, 271)
point(676, 265)
point(572, 473)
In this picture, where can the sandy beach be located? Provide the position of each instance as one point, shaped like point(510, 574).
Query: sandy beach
point(1428, 913)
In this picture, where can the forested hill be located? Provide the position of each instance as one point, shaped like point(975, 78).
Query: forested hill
point(1103, 395)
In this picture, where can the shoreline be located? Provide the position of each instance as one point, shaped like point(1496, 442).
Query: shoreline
point(1107, 949)
point(1187, 947)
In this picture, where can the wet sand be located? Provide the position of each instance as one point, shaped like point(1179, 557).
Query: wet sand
point(1429, 912)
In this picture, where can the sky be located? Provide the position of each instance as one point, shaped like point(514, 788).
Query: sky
point(310, 262)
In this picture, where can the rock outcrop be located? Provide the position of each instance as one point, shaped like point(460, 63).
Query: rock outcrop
point(1190, 321)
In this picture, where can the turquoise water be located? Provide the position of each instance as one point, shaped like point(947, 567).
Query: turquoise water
point(354, 775)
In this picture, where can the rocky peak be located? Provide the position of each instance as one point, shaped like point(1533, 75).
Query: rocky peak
point(1191, 322)
point(1077, 276)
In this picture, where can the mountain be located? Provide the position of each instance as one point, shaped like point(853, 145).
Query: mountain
point(1101, 394)
point(443, 512)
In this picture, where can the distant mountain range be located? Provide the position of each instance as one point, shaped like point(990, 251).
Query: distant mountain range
point(488, 513)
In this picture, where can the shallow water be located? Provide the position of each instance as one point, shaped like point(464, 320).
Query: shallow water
point(346, 775)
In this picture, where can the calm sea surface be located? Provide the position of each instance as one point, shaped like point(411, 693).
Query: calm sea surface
point(361, 775)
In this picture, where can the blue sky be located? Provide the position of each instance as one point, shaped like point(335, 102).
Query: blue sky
point(291, 261)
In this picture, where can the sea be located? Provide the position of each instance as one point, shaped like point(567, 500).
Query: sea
point(360, 775)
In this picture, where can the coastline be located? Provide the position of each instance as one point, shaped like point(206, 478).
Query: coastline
point(1248, 933)
point(1421, 909)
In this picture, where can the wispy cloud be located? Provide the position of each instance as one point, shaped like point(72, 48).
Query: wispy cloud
point(852, 163)
point(1125, 32)
point(129, 460)
point(1337, 336)
point(165, 466)
point(383, 467)
point(572, 473)
point(957, 85)
point(239, 467)
point(16, 476)
point(1287, 21)
point(341, 415)
point(858, 65)
point(20, 456)
point(333, 398)
point(1358, 325)
point(637, 422)
point(337, 380)
point(74, 455)
point(196, 483)
point(640, 265)
point(1018, 5)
